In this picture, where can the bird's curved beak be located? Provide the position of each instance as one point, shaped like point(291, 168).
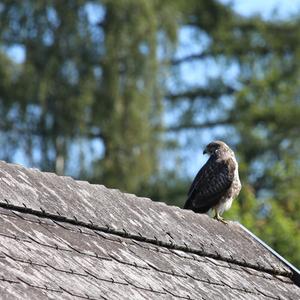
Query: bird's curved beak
point(205, 151)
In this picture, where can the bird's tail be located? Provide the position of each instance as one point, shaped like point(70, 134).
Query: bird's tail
point(189, 204)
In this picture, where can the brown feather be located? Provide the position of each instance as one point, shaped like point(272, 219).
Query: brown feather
point(210, 184)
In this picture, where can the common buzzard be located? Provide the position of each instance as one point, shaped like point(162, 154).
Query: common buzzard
point(217, 183)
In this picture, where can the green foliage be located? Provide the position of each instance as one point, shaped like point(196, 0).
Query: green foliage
point(84, 82)
point(52, 88)
point(281, 231)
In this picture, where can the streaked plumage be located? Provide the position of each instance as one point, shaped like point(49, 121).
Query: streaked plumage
point(217, 183)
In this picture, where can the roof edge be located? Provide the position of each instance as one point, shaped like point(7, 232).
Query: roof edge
point(296, 273)
point(125, 234)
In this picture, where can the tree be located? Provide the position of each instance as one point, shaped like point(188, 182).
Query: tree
point(85, 82)
point(130, 92)
point(53, 86)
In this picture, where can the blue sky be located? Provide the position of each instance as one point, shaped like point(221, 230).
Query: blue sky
point(265, 8)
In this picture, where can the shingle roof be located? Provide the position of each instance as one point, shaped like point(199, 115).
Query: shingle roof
point(67, 239)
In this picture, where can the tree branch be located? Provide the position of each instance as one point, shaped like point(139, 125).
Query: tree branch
point(191, 57)
point(207, 124)
point(236, 51)
point(203, 92)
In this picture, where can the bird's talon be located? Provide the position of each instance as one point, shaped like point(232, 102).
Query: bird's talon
point(224, 222)
point(220, 219)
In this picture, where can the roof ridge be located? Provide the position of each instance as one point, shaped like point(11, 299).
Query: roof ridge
point(81, 181)
point(125, 234)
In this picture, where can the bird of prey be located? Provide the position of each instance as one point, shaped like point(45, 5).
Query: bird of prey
point(217, 183)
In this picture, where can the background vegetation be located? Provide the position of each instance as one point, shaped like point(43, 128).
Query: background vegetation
point(127, 92)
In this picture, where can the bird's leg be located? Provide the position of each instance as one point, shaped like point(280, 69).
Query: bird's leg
point(219, 218)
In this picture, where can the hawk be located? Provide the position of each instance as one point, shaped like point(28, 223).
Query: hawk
point(217, 183)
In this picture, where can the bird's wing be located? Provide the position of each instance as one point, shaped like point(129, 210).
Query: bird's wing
point(210, 184)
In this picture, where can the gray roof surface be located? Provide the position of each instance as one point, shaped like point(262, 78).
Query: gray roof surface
point(67, 239)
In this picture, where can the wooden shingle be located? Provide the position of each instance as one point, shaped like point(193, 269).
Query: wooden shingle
point(67, 239)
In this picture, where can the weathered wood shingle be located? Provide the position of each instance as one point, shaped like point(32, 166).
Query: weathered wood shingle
point(67, 239)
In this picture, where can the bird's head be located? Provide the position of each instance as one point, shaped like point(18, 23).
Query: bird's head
point(216, 148)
